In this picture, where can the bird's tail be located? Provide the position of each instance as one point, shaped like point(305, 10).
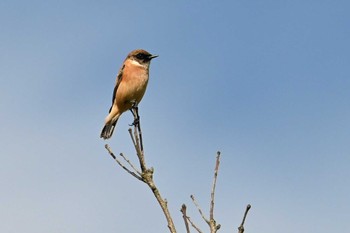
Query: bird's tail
point(107, 130)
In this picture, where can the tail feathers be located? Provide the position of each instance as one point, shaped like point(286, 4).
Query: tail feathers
point(107, 130)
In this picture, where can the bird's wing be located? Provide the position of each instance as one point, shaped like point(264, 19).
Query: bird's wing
point(119, 79)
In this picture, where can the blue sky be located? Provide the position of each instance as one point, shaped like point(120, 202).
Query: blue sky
point(265, 82)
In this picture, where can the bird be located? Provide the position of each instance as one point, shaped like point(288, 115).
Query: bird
point(130, 87)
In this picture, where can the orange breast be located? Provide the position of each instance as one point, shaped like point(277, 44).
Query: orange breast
point(132, 86)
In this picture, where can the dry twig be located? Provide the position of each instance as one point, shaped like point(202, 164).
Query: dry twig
point(199, 209)
point(212, 223)
point(241, 227)
point(194, 226)
point(184, 216)
point(188, 219)
point(146, 174)
point(120, 164)
point(130, 164)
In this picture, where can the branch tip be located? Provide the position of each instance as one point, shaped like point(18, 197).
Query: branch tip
point(241, 227)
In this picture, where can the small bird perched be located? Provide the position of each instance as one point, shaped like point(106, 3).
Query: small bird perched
point(130, 87)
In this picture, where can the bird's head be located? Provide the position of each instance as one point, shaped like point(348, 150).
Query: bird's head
point(141, 56)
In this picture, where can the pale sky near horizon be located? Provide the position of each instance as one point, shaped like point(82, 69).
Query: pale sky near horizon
point(267, 83)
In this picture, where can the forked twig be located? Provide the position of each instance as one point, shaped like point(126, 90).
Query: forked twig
point(187, 220)
point(130, 164)
point(184, 216)
point(139, 153)
point(121, 165)
point(211, 222)
point(146, 174)
point(135, 112)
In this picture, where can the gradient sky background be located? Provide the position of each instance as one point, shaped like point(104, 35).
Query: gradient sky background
point(265, 82)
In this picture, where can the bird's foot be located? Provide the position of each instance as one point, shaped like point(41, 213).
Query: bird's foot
point(134, 104)
point(136, 122)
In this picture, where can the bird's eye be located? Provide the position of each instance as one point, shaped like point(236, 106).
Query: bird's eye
point(140, 56)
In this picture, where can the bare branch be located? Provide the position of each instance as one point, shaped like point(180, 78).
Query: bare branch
point(193, 225)
point(147, 177)
point(213, 226)
point(188, 219)
point(138, 127)
point(133, 140)
point(184, 216)
point(214, 186)
point(211, 222)
point(139, 153)
point(136, 144)
point(131, 165)
point(120, 164)
point(241, 227)
point(147, 173)
point(199, 209)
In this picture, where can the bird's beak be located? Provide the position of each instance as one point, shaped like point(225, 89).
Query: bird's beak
point(153, 56)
